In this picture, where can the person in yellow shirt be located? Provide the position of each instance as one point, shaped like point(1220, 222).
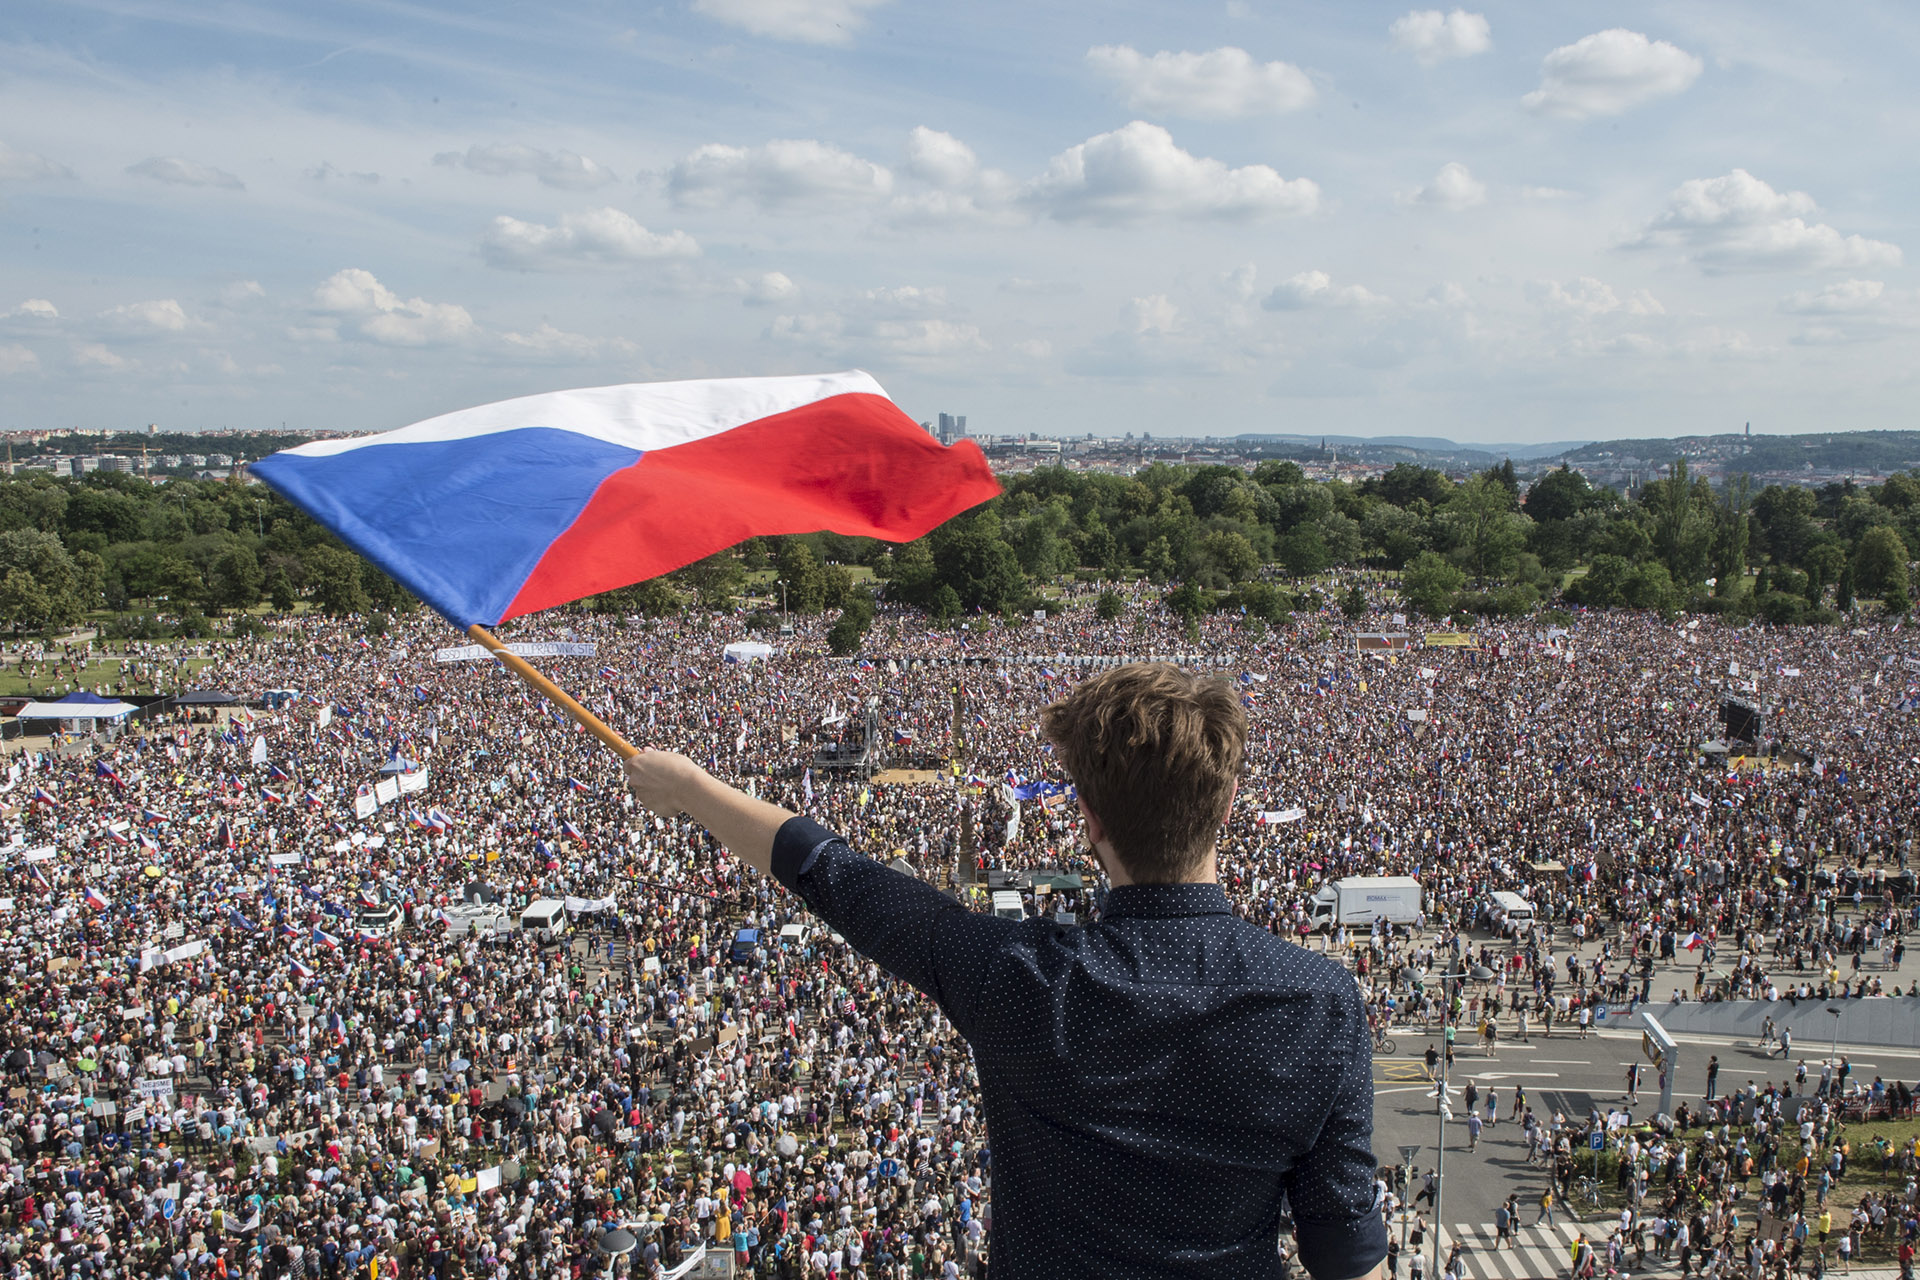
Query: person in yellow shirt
point(1826, 1225)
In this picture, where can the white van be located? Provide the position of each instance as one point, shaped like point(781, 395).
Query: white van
point(794, 935)
point(545, 919)
point(485, 919)
point(1007, 905)
point(1504, 908)
point(377, 922)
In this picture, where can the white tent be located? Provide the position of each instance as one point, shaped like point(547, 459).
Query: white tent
point(74, 710)
point(747, 651)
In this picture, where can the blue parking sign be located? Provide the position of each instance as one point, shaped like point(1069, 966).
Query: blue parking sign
point(1597, 1140)
point(1600, 1014)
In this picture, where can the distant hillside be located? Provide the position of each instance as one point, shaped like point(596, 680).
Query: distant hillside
point(1429, 450)
point(1863, 451)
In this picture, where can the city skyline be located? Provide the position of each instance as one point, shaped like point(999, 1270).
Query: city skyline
point(1505, 223)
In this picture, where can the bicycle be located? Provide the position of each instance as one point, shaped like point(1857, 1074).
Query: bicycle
point(1586, 1191)
point(1382, 1042)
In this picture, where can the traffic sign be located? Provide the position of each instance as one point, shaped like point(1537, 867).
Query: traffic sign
point(1597, 1141)
point(1600, 1014)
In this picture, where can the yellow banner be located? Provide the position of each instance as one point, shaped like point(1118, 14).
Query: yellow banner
point(1448, 640)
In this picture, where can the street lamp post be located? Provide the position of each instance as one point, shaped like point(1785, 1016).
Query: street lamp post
point(1833, 1047)
point(1479, 973)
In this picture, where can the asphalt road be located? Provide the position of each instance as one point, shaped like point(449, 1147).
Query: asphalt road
point(1562, 1073)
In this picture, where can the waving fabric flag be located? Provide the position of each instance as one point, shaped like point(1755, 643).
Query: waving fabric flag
point(506, 509)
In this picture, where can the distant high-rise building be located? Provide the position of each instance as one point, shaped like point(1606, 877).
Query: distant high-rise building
point(952, 427)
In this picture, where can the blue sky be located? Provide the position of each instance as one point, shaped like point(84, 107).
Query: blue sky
point(1501, 223)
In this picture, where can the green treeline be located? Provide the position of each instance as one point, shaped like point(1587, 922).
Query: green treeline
point(189, 551)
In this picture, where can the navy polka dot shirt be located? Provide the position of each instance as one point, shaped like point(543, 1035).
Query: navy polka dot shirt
point(1156, 1084)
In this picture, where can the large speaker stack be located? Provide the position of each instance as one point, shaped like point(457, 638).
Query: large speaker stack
point(1742, 720)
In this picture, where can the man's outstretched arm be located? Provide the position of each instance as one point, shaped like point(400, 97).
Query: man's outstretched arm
point(911, 929)
point(668, 783)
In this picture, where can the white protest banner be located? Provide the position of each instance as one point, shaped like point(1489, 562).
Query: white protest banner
point(364, 805)
point(587, 906)
point(45, 853)
point(285, 859)
point(529, 649)
point(325, 717)
point(1273, 817)
point(154, 1087)
point(258, 755)
point(185, 951)
point(386, 791)
point(488, 1179)
point(1417, 714)
point(1694, 797)
point(413, 782)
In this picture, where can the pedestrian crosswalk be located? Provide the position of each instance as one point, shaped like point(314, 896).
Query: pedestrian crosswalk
point(1542, 1252)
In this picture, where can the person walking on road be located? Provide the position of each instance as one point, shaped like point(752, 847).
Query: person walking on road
point(1786, 1042)
point(1546, 1209)
point(1713, 1076)
point(1633, 1082)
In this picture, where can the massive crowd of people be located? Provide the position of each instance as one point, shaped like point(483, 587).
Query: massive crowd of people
point(221, 1061)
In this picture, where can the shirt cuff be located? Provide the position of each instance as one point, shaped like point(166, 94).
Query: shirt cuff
point(1334, 1250)
point(795, 846)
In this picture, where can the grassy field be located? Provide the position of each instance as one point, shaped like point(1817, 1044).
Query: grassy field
point(1863, 1177)
point(106, 670)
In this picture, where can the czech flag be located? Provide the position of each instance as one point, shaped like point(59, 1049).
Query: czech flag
point(300, 970)
point(148, 843)
point(271, 796)
point(368, 898)
point(42, 796)
point(438, 820)
point(278, 774)
point(223, 835)
point(574, 784)
point(570, 831)
point(117, 836)
point(101, 769)
point(509, 508)
point(39, 876)
point(326, 939)
point(96, 899)
point(415, 820)
point(149, 816)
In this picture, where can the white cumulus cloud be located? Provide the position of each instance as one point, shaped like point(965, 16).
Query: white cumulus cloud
point(563, 169)
point(34, 309)
point(1220, 84)
point(162, 315)
point(1587, 297)
point(805, 21)
point(1839, 298)
point(558, 344)
point(940, 159)
point(767, 289)
point(97, 355)
point(1138, 172)
point(383, 316)
point(1454, 189)
point(26, 166)
point(1432, 36)
point(597, 237)
point(1317, 289)
point(853, 337)
point(185, 173)
point(1737, 222)
point(786, 173)
point(1609, 72)
point(15, 358)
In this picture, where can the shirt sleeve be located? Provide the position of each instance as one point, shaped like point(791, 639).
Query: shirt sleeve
point(1336, 1202)
point(905, 925)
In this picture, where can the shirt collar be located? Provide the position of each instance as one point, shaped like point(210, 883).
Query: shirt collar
point(1166, 900)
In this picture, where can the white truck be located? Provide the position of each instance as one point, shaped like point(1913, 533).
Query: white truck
point(1358, 901)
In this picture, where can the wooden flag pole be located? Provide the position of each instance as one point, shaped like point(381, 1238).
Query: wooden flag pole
point(554, 693)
